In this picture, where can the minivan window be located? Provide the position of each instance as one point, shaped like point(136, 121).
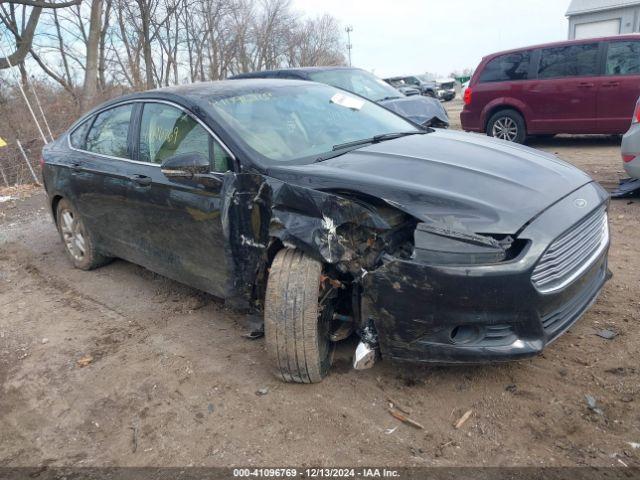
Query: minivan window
point(109, 132)
point(569, 61)
point(623, 58)
point(513, 66)
point(166, 131)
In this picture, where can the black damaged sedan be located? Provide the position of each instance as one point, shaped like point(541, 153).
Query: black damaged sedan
point(333, 216)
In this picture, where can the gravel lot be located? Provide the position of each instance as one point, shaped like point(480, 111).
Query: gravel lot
point(169, 379)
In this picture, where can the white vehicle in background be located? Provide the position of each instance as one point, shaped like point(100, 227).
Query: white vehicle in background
point(631, 145)
point(446, 88)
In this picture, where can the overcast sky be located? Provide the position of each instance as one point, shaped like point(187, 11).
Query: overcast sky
point(395, 37)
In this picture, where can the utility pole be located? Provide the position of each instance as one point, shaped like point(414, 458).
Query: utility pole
point(349, 29)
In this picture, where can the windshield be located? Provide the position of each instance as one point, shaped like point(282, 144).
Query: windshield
point(357, 81)
point(302, 121)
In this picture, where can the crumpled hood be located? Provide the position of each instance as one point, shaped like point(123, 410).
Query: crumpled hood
point(418, 109)
point(467, 181)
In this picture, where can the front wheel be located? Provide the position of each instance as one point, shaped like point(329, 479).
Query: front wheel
point(296, 323)
point(507, 125)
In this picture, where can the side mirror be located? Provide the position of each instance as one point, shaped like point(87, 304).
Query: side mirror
point(186, 165)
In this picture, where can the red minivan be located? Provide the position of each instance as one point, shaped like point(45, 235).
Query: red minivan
point(579, 86)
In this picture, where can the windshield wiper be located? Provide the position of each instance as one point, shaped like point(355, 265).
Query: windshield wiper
point(377, 139)
point(387, 98)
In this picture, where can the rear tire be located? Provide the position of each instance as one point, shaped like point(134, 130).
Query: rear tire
point(507, 125)
point(296, 331)
point(78, 242)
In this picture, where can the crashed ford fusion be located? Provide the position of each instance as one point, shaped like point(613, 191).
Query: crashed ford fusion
point(327, 216)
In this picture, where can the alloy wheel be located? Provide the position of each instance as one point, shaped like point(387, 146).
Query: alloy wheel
point(72, 233)
point(505, 128)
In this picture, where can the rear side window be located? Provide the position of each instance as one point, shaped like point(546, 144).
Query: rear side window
point(110, 131)
point(623, 58)
point(79, 135)
point(569, 61)
point(166, 131)
point(513, 66)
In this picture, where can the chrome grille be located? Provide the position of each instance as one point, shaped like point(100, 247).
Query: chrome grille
point(570, 255)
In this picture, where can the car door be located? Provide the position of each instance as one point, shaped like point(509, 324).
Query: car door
point(176, 226)
point(100, 155)
point(562, 99)
point(619, 86)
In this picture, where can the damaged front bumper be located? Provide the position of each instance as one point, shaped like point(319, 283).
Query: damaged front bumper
point(484, 313)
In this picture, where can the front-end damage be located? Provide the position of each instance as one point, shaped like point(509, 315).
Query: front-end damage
point(366, 245)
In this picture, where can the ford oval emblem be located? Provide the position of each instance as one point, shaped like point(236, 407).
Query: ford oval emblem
point(580, 202)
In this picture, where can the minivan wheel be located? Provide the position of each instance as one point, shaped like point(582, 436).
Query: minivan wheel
point(296, 328)
point(78, 243)
point(507, 125)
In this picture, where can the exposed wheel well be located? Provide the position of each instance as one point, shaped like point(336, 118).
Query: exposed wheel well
point(499, 108)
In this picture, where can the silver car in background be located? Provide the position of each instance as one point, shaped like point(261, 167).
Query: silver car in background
point(631, 145)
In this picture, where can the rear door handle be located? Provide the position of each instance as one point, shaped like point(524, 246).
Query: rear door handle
point(141, 180)
point(585, 85)
point(611, 84)
point(76, 167)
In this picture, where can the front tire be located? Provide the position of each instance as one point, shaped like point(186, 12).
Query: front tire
point(78, 242)
point(296, 329)
point(507, 125)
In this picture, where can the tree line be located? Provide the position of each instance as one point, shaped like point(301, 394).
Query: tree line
point(89, 47)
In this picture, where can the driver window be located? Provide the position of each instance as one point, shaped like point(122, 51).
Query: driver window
point(166, 131)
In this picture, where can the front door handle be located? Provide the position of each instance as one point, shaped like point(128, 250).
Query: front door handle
point(141, 180)
point(585, 85)
point(611, 84)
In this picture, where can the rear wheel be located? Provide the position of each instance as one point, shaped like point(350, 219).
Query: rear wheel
point(78, 243)
point(297, 321)
point(507, 125)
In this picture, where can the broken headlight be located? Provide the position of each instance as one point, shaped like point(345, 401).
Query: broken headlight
point(440, 249)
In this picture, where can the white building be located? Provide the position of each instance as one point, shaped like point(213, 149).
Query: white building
point(598, 18)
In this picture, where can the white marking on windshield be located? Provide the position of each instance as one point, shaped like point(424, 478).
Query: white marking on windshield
point(347, 101)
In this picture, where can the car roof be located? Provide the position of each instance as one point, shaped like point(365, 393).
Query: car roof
point(300, 70)
point(196, 92)
point(626, 36)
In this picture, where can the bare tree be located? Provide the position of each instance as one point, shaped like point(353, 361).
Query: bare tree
point(23, 36)
point(92, 52)
point(97, 45)
point(316, 42)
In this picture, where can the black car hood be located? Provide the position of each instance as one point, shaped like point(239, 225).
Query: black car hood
point(419, 109)
point(468, 181)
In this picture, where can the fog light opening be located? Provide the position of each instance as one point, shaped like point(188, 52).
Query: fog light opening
point(464, 334)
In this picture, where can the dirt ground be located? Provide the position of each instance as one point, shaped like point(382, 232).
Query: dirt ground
point(169, 379)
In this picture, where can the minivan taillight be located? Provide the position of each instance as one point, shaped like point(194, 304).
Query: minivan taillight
point(628, 158)
point(467, 96)
point(636, 114)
